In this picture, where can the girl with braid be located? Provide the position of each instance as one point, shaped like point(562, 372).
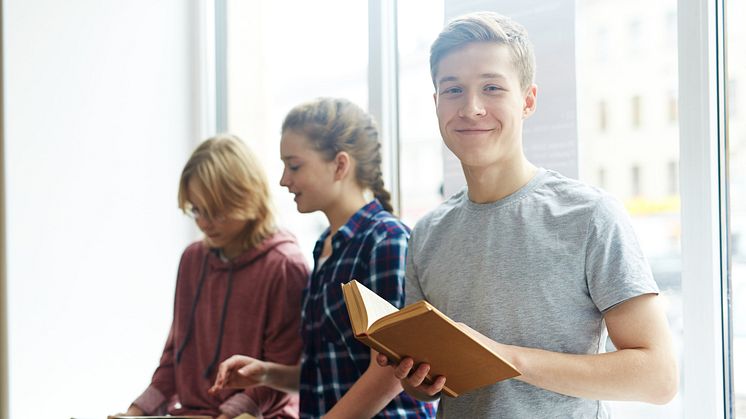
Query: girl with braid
point(332, 159)
point(238, 290)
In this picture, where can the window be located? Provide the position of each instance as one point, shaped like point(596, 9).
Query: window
point(636, 111)
point(635, 36)
point(736, 123)
point(276, 60)
point(671, 25)
point(635, 181)
point(673, 109)
point(602, 45)
point(624, 160)
point(673, 178)
point(421, 147)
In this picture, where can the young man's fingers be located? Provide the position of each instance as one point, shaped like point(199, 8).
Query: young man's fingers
point(383, 360)
point(418, 376)
point(435, 387)
point(404, 368)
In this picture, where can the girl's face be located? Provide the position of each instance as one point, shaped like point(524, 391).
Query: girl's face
point(307, 174)
point(221, 231)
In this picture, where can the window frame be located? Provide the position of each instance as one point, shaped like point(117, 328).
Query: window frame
point(703, 180)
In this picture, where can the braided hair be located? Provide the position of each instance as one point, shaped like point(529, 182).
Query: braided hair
point(333, 125)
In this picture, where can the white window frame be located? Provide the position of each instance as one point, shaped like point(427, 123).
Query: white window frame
point(707, 388)
point(383, 88)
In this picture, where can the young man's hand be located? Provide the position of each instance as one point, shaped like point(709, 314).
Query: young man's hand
point(414, 380)
point(240, 371)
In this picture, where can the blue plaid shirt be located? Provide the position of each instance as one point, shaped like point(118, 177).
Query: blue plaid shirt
point(370, 248)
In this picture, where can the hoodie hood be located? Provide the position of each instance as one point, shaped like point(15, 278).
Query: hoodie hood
point(250, 255)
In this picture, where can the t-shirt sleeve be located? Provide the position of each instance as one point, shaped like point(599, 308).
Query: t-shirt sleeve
point(387, 267)
point(616, 268)
point(412, 283)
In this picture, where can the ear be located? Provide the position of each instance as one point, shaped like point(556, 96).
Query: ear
point(529, 101)
point(435, 99)
point(343, 162)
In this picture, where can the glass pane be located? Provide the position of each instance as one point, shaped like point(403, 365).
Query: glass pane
point(281, 53)
point(628, 138)
point(736, 59)
point(421, 168)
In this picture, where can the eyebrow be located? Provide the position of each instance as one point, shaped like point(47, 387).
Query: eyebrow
point(481, 76)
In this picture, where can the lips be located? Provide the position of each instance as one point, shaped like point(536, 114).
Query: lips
point(474, 131)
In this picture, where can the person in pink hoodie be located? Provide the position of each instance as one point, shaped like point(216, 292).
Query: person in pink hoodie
point(237, 291)
point(332, 163)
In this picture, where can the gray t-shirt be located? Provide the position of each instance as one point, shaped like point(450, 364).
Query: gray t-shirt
point(536, 269)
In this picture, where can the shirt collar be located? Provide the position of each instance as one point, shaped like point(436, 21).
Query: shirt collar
point(357, 222)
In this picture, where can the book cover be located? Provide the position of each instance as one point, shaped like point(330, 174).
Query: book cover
point(426, 335)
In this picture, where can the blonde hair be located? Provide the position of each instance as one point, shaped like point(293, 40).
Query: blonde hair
point(333, 125)
point(229, 181)
point(486, 27)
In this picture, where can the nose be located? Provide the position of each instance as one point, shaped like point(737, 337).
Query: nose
point(284, 179)
point(473, 107)
point(203, 223)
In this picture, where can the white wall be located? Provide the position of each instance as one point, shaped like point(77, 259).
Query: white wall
point(101, 112)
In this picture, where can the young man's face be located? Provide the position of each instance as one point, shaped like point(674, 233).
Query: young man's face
point(481, 106)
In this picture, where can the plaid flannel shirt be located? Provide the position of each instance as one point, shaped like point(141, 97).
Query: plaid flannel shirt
point(371, 248)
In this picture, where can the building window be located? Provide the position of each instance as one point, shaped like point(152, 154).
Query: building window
point(671, 27)
point(635, 37)
point(673, 108)
point(603, 120)
point(602, 45)
point(636, 184)
point(673, 178)
point(636, 111)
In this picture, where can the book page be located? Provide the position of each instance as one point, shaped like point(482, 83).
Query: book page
point(375, 305)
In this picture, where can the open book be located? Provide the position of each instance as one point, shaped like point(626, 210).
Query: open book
point(425, 334)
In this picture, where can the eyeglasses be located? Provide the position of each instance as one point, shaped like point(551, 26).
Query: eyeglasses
point(196, 214)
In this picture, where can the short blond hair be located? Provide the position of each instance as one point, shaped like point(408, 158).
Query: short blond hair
point(486, 27)
point(230, 181)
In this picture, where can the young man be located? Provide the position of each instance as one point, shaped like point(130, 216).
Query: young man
point(541, 264)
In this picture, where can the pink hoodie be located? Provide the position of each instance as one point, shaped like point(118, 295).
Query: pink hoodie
point(249, 306)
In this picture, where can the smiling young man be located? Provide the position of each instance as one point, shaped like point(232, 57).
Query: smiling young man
point(542, 265)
